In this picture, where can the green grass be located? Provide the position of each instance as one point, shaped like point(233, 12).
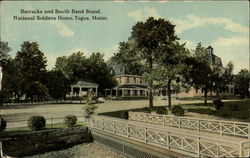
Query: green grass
point(227, 111)
point(230, 109)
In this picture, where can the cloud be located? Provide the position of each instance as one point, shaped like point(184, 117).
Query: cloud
point(51, 58)
point(119, 1)
point(189, 44)
point(233, 40)
point(193, 21)
point(162, 1)
point(143, 14)
point(63, 29)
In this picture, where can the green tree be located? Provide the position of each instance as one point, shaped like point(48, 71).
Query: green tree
point(170, 69)
point(57, 84)
point(242, 81)
point(31, 63)
point(99, 72)
point(4, 50)
point(36, 91)
point(6, 67)
point(203, 75)
point(77, 67)
point(145, 43)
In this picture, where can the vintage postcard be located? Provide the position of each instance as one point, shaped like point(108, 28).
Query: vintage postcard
point(91, 79)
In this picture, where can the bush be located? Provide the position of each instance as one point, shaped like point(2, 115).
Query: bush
point(2, 124)
point(124, 115)
point(36, 123)
point(218, 104)
point(178, 111)
point(70, 120)
point(162, 111)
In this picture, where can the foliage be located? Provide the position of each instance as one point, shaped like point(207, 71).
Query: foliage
point(57, 84)
point(36, 123)
point(145, 44)
point(3, 124)
point(70, 120)
point(36, 91)
point(4, 50)
point(242, 81)
point(168, 74)
point(178, 111)
point(124, 115)
point(218, 104)
point(202, 75)
point(90, 108)
point(77, 67)
point(31, 67)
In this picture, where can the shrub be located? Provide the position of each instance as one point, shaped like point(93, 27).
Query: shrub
point(70, 120)
point(178, 111)
point(124, 115)
point(218, 104)
point(2, 124)
point(89, 110)
point(36, 123)
point(162, 111)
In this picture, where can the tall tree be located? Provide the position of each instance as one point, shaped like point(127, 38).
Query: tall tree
point(77, 67)
point(201, 75)
point(31, 63)
point(242, 81)
point(145, 42)
point(170, 69)
point(4, 60)
point(57, 84)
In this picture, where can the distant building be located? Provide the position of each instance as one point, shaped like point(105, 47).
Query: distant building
point(81, 88)
point(129, 85)
point(215, 62)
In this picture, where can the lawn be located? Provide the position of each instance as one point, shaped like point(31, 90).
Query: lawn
point(230, 110)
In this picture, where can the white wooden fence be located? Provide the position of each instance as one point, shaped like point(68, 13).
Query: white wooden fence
point(237, 129)
point(184, 143)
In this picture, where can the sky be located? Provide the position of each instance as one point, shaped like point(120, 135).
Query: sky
point(222, 24)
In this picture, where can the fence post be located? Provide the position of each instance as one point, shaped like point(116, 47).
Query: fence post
point(145, 135)
point(198, 125)
point(198, 147)
point(249, 134)
point(221, 130)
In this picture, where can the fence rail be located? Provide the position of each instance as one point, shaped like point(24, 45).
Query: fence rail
point(236, 129)
point(184, 143)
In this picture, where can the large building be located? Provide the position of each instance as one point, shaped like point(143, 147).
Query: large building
point(128, 85)
point(134, 85)
point(215, 62)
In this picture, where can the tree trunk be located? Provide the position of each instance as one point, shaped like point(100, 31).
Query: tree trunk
point(169, 94)
point(205, 96)
point(150, 98)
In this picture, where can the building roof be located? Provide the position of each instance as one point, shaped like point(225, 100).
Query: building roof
point(85, 84)
point(130, 86)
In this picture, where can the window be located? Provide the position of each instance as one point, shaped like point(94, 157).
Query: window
point(134, 79)
point(127, 79)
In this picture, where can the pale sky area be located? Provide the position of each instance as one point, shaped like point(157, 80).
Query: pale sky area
point(224, 25)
